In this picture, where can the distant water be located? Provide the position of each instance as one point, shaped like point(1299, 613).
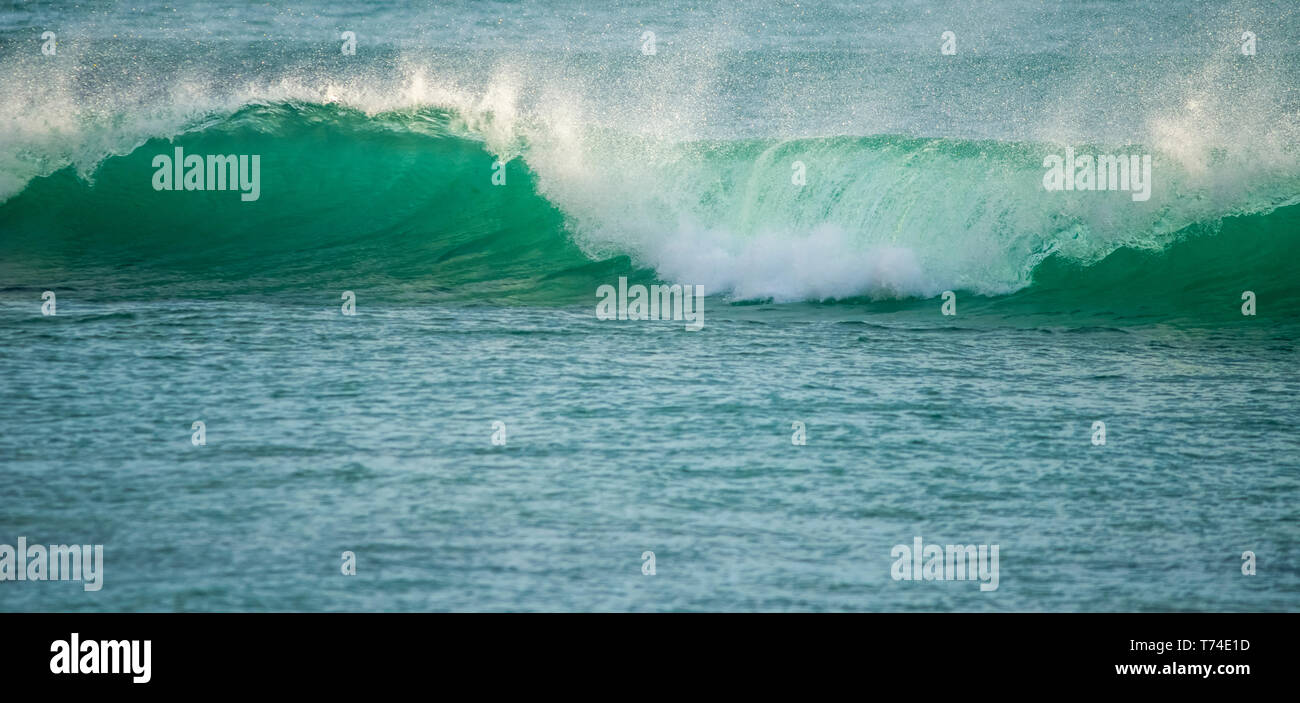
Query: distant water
point(475, 304)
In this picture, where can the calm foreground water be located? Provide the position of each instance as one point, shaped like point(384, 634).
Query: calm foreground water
point(373, 434)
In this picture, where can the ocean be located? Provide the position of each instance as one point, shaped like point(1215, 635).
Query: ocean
point(379, 380)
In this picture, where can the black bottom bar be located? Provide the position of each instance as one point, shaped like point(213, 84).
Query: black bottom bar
point(921, 652)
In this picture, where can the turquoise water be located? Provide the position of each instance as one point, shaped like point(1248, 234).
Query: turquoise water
point(475, 304)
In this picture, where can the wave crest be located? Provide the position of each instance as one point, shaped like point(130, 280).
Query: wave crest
point(407, 195)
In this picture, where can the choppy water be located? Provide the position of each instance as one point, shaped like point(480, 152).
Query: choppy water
point(476, 303)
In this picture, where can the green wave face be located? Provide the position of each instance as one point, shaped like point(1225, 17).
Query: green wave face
point(345, 203)
point(404, 205)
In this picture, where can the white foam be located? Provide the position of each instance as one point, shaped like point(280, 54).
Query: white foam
point(638, 170)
